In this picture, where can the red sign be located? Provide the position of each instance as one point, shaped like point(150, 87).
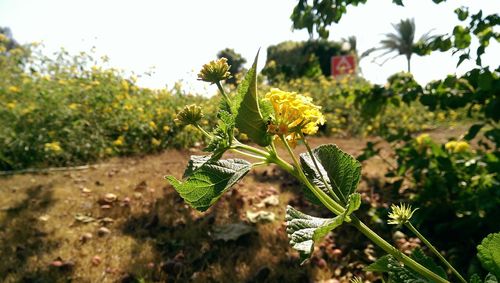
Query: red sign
point(343, 65)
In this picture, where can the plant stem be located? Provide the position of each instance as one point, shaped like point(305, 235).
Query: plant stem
point(334, 195)
point(239, 145)
point(221, 89)
point(203, 131)
point(299, 174)
point(435, 251)
point(376, 239)
point(259, 157)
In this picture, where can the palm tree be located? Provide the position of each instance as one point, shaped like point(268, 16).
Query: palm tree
point(402, 41)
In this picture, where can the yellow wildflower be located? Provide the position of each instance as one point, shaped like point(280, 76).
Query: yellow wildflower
point(73, 106)
point(400, 214)
point(14, 89)
point(11, 105)
point(119, 141)
point(155, 142)
point(166, 128)
point(3, 37)
point(293, 114)
point(108, 150)
point(152, 125)
point(215, 71)
point(423, 139)
point(457, 146)
point(54, 147)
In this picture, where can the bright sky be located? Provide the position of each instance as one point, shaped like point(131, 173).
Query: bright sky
point(177, 37)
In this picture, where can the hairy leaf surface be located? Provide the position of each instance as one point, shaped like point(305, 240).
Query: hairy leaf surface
point(207, 183)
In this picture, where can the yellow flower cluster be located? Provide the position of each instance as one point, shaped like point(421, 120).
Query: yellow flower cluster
point(457, 146)
point(54, 147)
point(422, 139)
point(293, 114)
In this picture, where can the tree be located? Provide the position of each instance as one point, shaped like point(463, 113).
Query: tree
point(402, 41)
point(235, 60)
point(11, 43)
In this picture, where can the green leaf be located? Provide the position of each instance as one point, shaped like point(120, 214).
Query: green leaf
point(195, 162)
point(207, 183)
point(428, 262)
point(381, 265)
point(341, 171)
point(488, 253)
point(462, 37)
point(475, 279)
point(398, 273)
point(222, 135)
point(398, 2)
point(490, 278)
point(473, 130)
point(249, 119)
point(304, 230)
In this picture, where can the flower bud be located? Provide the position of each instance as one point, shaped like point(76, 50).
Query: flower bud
point(215, 71)
point(189, 115)
point(400, 214)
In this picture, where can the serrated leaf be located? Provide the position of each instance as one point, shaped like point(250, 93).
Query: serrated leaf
point(206, 184)
point(341, 171)
point(304, 230)
point(246, 108)
point(398, 273)
point(488, 253)
point(475, 279)
point(426, 261)
point(380, 265)
point(490, 278)
point(195, 162)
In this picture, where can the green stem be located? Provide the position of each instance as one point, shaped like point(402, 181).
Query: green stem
point(249, 154)
point(319, 171)
point(221, 89)
point(435, 251)
point(239, 145)
point(417, 267)
point(203, 131)
point(299, 174)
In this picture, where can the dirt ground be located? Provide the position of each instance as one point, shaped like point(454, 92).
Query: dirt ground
point(120, 221)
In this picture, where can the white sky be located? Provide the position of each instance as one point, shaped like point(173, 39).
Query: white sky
point(177, 37)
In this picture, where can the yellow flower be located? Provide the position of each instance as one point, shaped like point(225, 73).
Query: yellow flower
point(457, 146)
point(152, 125)
point(293, 114)
point(189, 115)
point(11, 105)
point(215, 71)
point(108, 150)
point(73, 106)
point(119, 141)
point(3, 37)
point(400, 214)
point(54, 147)
point(166, 128)
point(155, 142)
point(423, 139)
point(14, 89)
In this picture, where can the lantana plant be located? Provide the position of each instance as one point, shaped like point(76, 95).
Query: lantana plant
point(330, 175)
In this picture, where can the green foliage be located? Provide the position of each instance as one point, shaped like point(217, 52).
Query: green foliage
point(290, 60)
point(318, 15)
point(205, 185)
point(222, 135)
point(341, 171)
point(488, 253)
point(66, 111)
point(246, 108)
point(304, 230)
point(398, 273)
